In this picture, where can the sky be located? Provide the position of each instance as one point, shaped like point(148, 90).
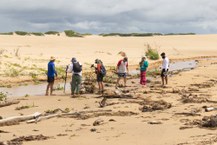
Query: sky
point(108, 16)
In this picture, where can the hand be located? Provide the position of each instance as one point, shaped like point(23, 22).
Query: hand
point(92, 66)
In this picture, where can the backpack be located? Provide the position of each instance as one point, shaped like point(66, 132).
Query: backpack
point(77, 67)
point(103, 70)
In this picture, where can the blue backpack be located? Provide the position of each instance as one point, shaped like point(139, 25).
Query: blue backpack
point(103, 70)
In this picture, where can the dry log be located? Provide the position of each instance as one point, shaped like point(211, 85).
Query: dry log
point(40, 118)
point(8, 103)
point(11, 120)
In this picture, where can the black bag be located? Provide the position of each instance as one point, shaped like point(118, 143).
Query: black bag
point(77, 67)
point(103, 70)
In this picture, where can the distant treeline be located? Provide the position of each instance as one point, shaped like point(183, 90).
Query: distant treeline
point(143, 34)
point(71, 33)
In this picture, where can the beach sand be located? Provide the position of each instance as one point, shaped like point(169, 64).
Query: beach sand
point(125, 123)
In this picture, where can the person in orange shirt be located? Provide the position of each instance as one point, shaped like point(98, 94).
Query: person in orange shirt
point(99, 74)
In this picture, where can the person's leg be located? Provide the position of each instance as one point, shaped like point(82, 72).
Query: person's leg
point(141, 77)
point(51, 88)
point(166, 79)
point(78, 83)
point(73, 84)
point(102, 87)
point(99, 86)
point(125, 79)
point(117, 84)
point(144, 78)
point(162, 77)
point(48, 86)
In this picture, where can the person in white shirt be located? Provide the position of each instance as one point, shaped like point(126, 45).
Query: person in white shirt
point(76, 68)
point(165, 69)
point(122, 70)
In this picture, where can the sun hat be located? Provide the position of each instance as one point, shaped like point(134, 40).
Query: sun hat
point(52, 58)
point(96, 60)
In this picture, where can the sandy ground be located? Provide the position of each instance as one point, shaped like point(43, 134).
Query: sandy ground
point(132, 126)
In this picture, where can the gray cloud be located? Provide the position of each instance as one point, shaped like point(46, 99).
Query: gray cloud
point(104, 16)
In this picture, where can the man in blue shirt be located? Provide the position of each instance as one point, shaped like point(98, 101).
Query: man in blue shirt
point(50, 76)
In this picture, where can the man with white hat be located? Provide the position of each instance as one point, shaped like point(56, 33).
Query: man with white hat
point(76, 68)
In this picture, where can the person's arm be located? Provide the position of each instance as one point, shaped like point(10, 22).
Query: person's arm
point(146, 64)
point(127, 67)
point(53, 67)
point(119, 63)
point(70, 67)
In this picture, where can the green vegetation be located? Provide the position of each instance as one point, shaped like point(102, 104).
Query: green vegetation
point(132, 34)
point(22, 33)
point(25, 107)
point(180, 34)
point(71, 33)
point(61, 72)
point(3, 96)
point(153, 73)
point(12, 72)
point(52, 33)
point(7, 33)
point(37, 33)
point(152, 53)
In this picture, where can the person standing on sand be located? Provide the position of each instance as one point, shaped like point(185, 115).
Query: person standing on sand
point(165, 69)
point(51, 76)
point(100, 73)
point(122, 70)
point(143, 67)
point(76, 68)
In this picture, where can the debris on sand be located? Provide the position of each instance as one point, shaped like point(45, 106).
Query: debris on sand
point(154, 122)
point(98, 122)
point(207, 84)
point(193, 112)
point(155, 105)
point(193, 98)
point(93, 129)
point(2, 131)
point(210, 122)
point(20, 140)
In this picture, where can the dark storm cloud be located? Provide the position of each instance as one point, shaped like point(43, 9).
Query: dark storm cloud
point(104, 16)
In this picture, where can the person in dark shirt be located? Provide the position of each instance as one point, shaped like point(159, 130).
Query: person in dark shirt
point(51, 76)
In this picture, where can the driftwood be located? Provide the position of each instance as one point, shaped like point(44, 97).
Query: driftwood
point(17, 119)
point(71, 114)
point(36, 117)
point(8, 103)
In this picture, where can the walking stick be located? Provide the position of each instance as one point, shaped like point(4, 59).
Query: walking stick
point(65, 79)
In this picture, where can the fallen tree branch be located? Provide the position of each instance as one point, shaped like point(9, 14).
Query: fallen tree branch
point(17, 119)
point(8, 103)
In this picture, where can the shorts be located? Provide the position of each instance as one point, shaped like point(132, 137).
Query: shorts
point(122, 75)
point(50, 79)
point(164, 72)
point(99, 77)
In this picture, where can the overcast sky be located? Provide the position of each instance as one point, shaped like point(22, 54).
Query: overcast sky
point(106, 16)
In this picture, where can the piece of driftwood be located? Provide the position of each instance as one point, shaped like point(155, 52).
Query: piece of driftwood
point(17, 119)
point(8, 103)
point(71, 114)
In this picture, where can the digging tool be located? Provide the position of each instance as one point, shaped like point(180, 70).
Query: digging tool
point(65, 79)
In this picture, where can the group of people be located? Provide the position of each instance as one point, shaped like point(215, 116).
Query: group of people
point(121, 69)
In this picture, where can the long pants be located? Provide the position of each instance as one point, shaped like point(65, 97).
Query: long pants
point(75, 85)
point(143, 77)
